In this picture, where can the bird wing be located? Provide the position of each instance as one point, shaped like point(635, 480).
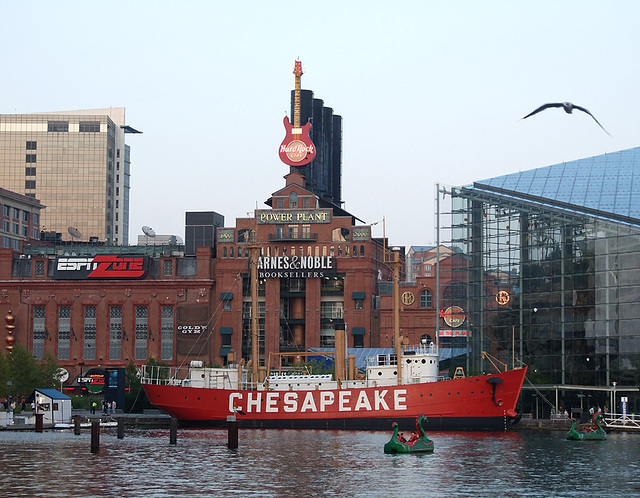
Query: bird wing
point(542, 108)
point(594, 118)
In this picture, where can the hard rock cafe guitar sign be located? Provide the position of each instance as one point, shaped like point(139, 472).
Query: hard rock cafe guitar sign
point(297, 149)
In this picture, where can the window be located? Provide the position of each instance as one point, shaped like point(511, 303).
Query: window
point(89, 352)
point(16, 228)
point(31, 145)
point(293, 200)
point(39, 332)
point(115, 332)
point(141, 332)
point(30, 171)
point(30, 158)
point(306, 202)
point(168, 267)
point(331, 309)
point(293, 231)
point(89, 127)
point(426, 299)
point(279, 202)
point(358, 341)
point(25, 231)
point(58, 126)
point(6, 225)
point(16, 213)
point(6, 210)
point(359, 304)
point(64, 332)
point(29, 184)
point(166, 333)
point(327, 335)
point(40, 268)
point(340, 235)
point(36, 218)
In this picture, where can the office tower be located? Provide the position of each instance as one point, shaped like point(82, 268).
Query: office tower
point(77, 164)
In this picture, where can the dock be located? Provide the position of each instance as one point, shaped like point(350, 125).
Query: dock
point(614, 422)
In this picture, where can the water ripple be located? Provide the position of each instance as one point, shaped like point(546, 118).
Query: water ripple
point(272, 463)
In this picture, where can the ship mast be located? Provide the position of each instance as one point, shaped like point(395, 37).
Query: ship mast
point(394, 262)
point(254, 253)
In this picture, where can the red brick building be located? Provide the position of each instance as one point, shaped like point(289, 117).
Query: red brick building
point(91, 307)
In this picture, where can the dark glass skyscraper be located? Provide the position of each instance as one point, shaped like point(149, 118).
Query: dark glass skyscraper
point(324, 173)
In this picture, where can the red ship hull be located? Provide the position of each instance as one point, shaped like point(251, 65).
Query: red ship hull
point(485, 402)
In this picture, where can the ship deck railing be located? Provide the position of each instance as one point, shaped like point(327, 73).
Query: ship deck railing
point(163, 375)
point(380, 360)
point(629, 421)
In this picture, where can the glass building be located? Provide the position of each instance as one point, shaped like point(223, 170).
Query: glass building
point(552, 274)
point(77, 164)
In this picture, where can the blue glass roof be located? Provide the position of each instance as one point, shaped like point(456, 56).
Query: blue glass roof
point(608, 184)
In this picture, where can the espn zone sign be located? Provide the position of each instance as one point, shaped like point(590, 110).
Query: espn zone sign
point(105, 266)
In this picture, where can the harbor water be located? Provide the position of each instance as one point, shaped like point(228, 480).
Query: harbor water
point(273, 463)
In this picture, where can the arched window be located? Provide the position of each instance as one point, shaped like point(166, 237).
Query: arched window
point(426, 299)
point(293, 200)
point(231, 252)
point(361, 250)
point(224, 252)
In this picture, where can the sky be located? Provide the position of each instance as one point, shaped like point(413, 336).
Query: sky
point(430, 93)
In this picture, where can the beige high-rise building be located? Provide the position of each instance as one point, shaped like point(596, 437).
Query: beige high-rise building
point(77, 164)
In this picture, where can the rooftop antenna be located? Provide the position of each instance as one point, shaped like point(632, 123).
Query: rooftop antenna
point(149, 232)
point(74, 232)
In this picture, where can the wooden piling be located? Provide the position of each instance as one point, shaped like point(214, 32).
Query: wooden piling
point(77, 419)
point(232, 432)
point(173, 431)
point(120, 428)
point(95, 437)
point(39, 422)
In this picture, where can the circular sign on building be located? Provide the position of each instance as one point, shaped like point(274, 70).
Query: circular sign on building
point(61, 375)
point(93, 380)
point(454, 316)
point(408, 298)
point(503, 297)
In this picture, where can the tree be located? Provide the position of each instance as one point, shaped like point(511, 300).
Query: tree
point(26, 373)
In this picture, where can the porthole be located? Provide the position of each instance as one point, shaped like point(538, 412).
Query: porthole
point(423, 360)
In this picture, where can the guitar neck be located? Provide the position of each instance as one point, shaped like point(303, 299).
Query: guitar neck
point(296, 104)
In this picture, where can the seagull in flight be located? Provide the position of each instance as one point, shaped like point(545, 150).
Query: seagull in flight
point(568, 108)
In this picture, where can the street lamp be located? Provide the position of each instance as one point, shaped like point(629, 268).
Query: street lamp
point(613, 408)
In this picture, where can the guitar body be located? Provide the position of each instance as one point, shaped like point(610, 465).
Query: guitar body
point(297, 149)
